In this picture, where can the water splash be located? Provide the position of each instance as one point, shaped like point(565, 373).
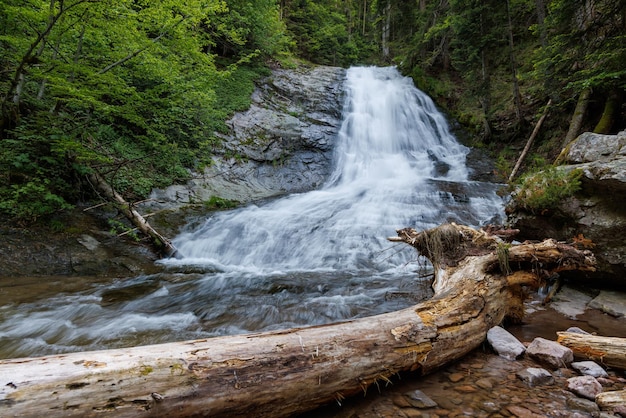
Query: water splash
point(393, 147)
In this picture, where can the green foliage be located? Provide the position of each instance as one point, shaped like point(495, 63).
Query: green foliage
point(542, 191)
point(134, 89)
point(216, 202)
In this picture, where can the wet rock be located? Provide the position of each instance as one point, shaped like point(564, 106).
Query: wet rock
point(504, 343)
point(589, 368)
point(456, 377)
point(613, 303)
point(484, 383)
point(522, 412)
point(583, 405)
point(570, 302)
point(577, 330)
point(550, 353)
point(534, 376)
point(282, 144)
point(418, 399)
point(584, 386)
point(466, 389)
point(620, 410)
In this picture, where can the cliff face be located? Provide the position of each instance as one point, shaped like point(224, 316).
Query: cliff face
point(282, 144)
point(598, 211)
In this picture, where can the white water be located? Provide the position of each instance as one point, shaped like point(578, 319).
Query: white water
point(389, 146)
point(305, 259)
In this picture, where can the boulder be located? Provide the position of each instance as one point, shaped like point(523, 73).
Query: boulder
point(584, 386)
point(589, 368)
point(550, 353)
point(282, 144)
point(504, 343)
point(534, 376)
point(596, 213)
point(613, 303)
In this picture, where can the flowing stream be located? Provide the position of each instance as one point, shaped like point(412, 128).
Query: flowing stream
point(308, 258)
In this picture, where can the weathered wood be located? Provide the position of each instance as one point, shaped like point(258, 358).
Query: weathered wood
point(610, 351)
point(530, 141)
point(163, 244)
point(282, 373)
point(611, 399)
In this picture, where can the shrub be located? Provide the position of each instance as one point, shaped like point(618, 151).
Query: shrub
point(543, 190)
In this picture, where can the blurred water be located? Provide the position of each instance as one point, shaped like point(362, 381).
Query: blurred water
point(305, 259)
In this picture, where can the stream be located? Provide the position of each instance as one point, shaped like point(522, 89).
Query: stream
point(304, 259)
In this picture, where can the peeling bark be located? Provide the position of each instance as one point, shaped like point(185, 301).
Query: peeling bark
point(281, 373)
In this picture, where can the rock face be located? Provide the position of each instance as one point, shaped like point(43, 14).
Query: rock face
point(283, 143)
point(597, 212)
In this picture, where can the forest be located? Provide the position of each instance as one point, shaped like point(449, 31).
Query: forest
point(137, 91)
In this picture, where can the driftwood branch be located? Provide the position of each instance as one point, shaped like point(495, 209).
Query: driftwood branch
point(610, 351)
point(530, 141)
point(162, 243)
point(282, 373)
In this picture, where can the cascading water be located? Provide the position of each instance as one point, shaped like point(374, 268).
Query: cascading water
point(305, 259)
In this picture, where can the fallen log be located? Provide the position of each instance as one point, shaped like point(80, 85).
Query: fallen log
point(611, 399)
point(160, 242)
point(609, 351)
point(282, 373)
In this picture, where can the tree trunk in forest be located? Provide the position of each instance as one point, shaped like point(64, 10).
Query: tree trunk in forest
point(612, 107)
point(161, 243)
point(610, 351)
point(517, 97)
point(577, 119)
point(281, 373)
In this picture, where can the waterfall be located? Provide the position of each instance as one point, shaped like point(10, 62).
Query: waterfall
point(393, 151)
point(305, 259)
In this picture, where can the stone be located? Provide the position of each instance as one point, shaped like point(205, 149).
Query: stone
point(504, 343)
point(620, 410)
point(584, 386)
point(521, 412)
point(484, 383)
point(577, 330)
point(584, 405)
point(88, 242)
point(550, 353)
point(589, 147)
point(419, 399)
point(570, 302)
point(466, 389)
point(611, 302)
point(456, 377)
point(589, 368)
point(534, 376)
point(282, 144)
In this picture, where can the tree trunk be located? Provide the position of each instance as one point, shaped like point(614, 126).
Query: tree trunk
point(282, 373)
point(161, 243)
point(612, 107)
point(610, 351)
point(517, 97)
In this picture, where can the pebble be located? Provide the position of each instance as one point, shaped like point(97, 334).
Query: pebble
point(484, 383)
point(456, 377)
point(418, 399)
point(534, 376)
point(466, 389)
point(522, 412)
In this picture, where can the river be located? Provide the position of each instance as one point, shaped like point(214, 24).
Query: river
point(304, 259)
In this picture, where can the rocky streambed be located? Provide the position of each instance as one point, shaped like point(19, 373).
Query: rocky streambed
point(523, 374)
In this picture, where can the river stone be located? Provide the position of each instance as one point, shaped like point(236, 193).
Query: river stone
point(583, 405)
point(534, 376)
point(613, 303)
point(419, 399)
point(589, 368)
point(584, 386)
point(570, 302)
point(577, 330)
point(550, 353)
point(504, 343)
